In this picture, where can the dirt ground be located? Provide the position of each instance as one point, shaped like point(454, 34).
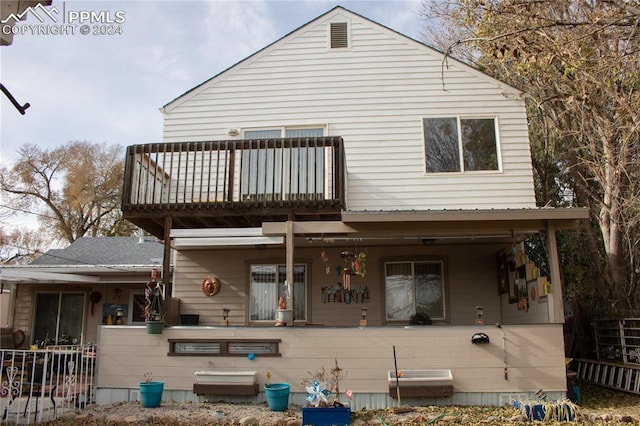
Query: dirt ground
point(600, 406)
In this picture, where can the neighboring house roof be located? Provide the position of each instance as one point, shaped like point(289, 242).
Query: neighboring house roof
point(105, 251)
point(338, 9)
point(86, 259)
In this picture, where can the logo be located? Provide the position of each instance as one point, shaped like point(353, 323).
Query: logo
point(70, 21)
point(35, 11)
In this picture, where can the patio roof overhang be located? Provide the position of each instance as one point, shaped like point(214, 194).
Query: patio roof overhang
point(437, 224)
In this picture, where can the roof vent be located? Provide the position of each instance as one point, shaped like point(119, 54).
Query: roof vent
point(339, 37)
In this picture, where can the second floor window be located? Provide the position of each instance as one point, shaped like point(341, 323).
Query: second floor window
point(455, 144)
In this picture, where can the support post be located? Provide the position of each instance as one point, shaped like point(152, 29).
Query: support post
point(554, 301)
point(289, 247)
point(166, 268)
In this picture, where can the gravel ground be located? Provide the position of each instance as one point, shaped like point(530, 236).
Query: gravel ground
point(600, 406)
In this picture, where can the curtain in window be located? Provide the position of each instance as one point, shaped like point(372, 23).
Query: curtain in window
point(414, 287)
point(399, 291)
point(262, 168)
point(264, 292)
point(309, 161)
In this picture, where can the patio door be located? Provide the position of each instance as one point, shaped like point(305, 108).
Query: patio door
point(59, 318)
point(271, 173)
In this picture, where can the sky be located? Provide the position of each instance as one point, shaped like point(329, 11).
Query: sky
point(108, 88)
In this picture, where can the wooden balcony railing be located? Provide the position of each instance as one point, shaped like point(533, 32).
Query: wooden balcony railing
point(268, 178)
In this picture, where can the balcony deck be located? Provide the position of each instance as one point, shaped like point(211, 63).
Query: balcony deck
point(233, 183)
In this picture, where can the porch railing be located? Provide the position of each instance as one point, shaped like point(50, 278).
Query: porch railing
point(267, 172)
point(40, 385)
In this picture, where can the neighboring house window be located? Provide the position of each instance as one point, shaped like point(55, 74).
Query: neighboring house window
point(339, 35)
point(59, 318)
point(414, 288)
point(454, 144)
point(276, 173)
point(136, 310)
point(268, 285)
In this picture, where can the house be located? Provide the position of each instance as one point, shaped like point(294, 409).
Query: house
point(346, 193)
point(64, 295)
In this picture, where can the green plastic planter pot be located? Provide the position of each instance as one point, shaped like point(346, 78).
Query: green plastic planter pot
point(154, 327)
point(151, 394)
point(278, 396)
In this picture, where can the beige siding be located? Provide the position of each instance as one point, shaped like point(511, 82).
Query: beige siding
point(374, 94)
point(365, 354)
point(470, 278)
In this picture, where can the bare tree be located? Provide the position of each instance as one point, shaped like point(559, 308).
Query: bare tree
point(579, 64)
point(76, 187)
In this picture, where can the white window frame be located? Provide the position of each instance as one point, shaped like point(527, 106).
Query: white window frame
point(443, 289)
point(275, 303)
point(283, 133)
point(459, 119)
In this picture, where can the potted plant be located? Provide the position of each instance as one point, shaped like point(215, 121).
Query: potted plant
point(277, 394)
point(323, 400)
point(283, 315)
point(152, 312)
point(151, 391)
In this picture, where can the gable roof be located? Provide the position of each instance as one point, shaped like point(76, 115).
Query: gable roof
point(337, 9)
point(93, 251)
point(87, 259)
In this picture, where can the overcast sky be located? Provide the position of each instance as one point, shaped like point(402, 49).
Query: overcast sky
point(109, 88)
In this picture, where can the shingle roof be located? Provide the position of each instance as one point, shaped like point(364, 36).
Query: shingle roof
point(105, 251)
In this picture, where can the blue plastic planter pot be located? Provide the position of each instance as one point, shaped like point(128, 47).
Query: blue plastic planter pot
point(277, 396)
point(151, 394)
point(326, 416)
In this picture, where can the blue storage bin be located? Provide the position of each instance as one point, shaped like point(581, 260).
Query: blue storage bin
point(326, 416)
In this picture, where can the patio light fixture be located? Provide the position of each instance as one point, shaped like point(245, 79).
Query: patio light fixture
point(479, 315)
point(363, 313)
point(225, 315)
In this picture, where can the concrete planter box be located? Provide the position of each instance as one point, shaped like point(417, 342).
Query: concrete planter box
point(421, 383)
point(210, 377)
point(421, 377)
point(226, 383)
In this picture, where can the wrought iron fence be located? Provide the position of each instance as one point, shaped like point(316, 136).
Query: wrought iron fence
point(39, 385)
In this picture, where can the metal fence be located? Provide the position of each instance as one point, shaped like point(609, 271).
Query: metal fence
point(618, 340)
point(40, 385)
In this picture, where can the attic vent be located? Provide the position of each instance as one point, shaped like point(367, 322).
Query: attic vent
point(339, 35)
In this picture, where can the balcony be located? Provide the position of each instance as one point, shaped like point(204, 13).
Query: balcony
point(233, 183)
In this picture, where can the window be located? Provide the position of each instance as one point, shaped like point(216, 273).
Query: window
point(414, 288)
point(268, 285)
point(339, 35)
point(223, 347)
point(277, 173)
point(59, 318)
point(137, 302)
point(460, 144)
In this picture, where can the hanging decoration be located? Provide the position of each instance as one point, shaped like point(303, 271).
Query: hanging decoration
point(210, 286)
point(95, 297)
point(338, 293)
point(325, 259)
